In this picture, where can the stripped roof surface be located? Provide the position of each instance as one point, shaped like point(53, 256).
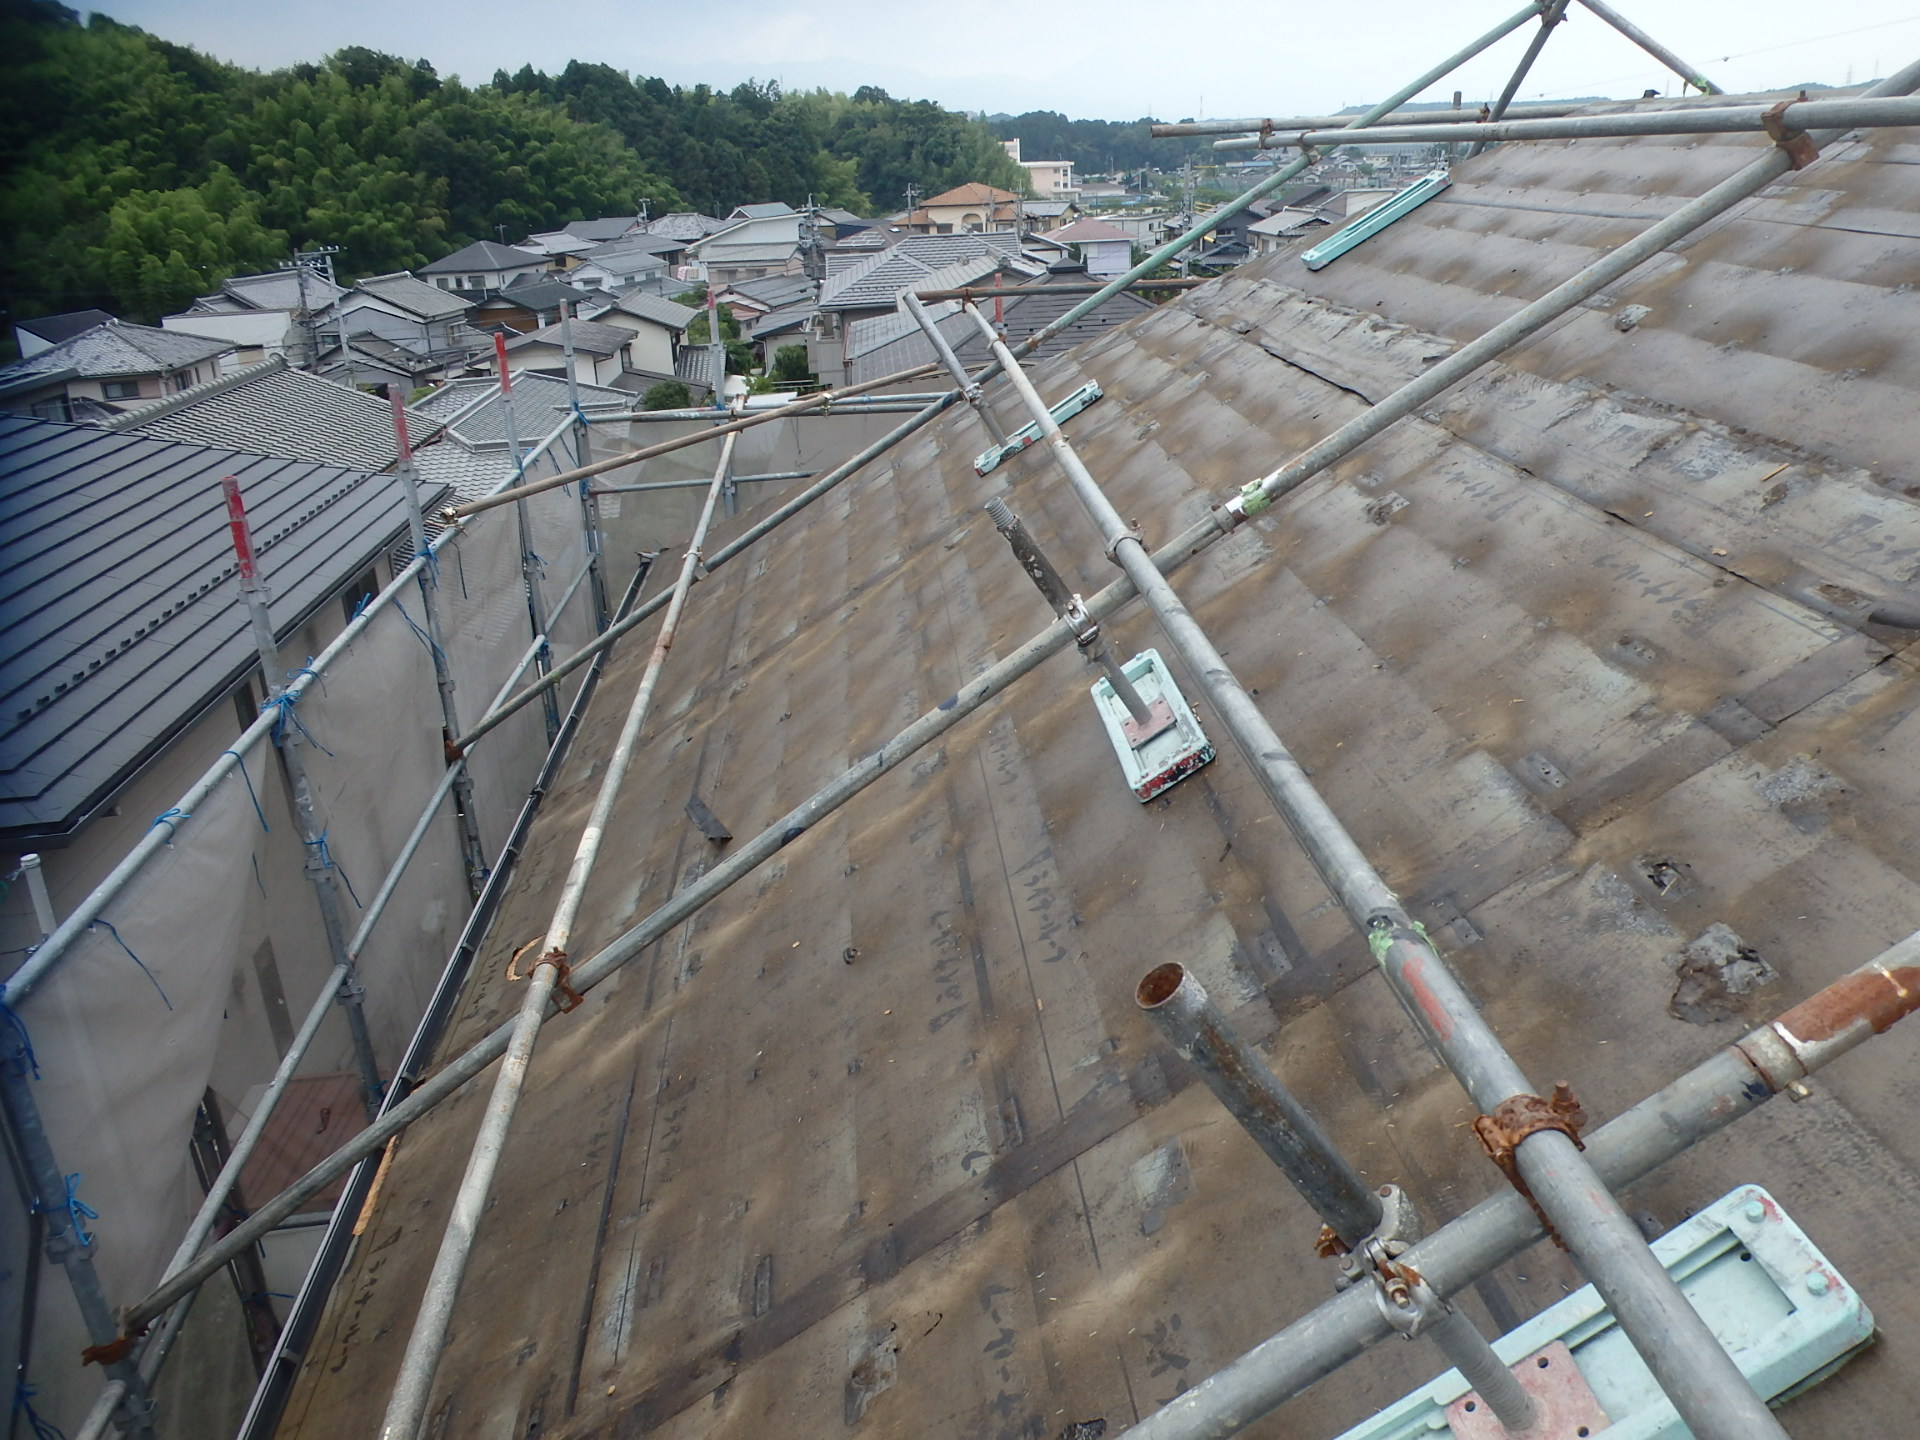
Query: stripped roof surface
point(685, 225)
point(276, 411)
point(119, 600)
point(118, 348)
point(1580, 653)
point(773, 291)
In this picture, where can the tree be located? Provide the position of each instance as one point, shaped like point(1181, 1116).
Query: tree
point(790, 365)
point(667, 395)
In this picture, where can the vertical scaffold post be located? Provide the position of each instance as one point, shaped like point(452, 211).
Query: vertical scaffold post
point(287, 734)
point(529, 560)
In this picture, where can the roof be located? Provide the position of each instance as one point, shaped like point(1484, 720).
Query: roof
point(844, 217)
point(974, 192)
point(782, 321)
point(542, 292)
point(882, 344)
point(119, 603)
point(696, 365)
point(55, 328)
point(275, 290)
point(483, 255)
point(587, 336)
point(1086, 230)
point(471, 412)
point(745, 252)
point(118, 348)
point(276, 411)
point(610, 227)
point(631, 255)
point(763, 212)
point(651, 307)
point(415, 296)
point(774, 290)
point(685, 225)
point(876, 279)
point(880, 1134)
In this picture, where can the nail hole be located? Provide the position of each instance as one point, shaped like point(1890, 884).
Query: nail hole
point(1471, 1407)
point(1541, 1362)
point(1746, 1255)
point(1583, 1432)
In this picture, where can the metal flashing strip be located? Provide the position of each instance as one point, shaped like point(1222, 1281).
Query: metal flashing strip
point(1771, 1298)
point(1376, 220)
point(1079, 400)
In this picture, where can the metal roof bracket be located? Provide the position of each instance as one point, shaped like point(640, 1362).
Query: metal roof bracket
point(1797, 143)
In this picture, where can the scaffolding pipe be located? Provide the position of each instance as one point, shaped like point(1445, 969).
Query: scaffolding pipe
point(631, 457)
point(1855, 113)
point(407, 1405)
point(1548, 20)
point(702, 484)
point(829, 798)
point(1274, 181)
point(1192, 128)
point(1240, 1079)
point(36, 877)
point(1688, 73)
point(1730, 1084)
point(313, 835)
point(472, 851)
point(1701, 1379)
point(759, 530)
point(61, 1241)
point(1069, 287)
point(1530, 319)
point(975, 395)
point(529, 560)
point(1067, 605)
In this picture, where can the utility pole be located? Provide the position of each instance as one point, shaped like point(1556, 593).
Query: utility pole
point(318, 261)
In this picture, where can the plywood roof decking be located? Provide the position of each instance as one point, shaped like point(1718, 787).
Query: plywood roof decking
point(878, 1144)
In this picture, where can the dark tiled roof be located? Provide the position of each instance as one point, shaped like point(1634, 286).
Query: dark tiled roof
point(651, 307)
point(774, 291)
point(276, 411)
point(471, 410)
point(55, 328)
point(120, 349)
point(483, 255)
point(612, 227)
point(415, 296)
point(589, 337)
point(120, 606)
point(877, 279)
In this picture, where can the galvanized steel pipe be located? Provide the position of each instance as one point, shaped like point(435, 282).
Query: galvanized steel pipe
point(1653, 47)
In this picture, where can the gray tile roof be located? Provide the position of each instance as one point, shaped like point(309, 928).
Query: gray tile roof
point(685, 225)
point(276, 290)
point(783, 320)
point(883, 344)
point(610, 227)
point(483, 255)
point(119, 603)
point(120, 349)
point(695, 364)
point(877, 279)
point(764, 212)
point(756, 252)
point(592, 338)
point(276, 411)
point(774, 291)
point(651, 307)
point(467, 471)
point(415, 296)
point(471, 411)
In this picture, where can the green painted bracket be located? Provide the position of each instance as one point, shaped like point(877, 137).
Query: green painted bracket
point(1375, 220)
point(1079, 400)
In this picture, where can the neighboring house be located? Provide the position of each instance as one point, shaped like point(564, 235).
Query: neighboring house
point(751, 300)
point(294, 291)
point(255, 335)
point(102, 372)
point(33, 336)
point(125, 632)
point(884, 344)
point(563, 251)
point(467, 447)
point(835, 226)
point(633, 260)
point(1044, 215)
point(684, 225)
point(602, 354)
point(482, 265)
point(658, 327)
point(972, 206)
point(277, 411)
point(1103, 249)
point(758, 240)
point(402, 310)
point(1288, 224)
point(527, 304)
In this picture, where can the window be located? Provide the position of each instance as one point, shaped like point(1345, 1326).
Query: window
point(443, 282)
point(476, 282)
point(182, 381)
point(120, 389)
point(364, 587)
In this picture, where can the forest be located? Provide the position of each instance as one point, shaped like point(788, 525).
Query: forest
point(140, 173)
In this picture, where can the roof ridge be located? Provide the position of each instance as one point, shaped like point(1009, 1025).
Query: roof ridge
point(175, 403)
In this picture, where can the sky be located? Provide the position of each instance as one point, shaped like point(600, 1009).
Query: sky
point(1097, 59)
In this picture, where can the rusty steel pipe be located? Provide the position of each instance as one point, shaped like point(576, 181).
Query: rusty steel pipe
point(1178, 1004)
